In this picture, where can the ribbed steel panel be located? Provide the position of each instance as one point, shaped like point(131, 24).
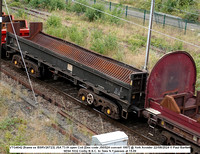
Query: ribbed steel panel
point(85, 57)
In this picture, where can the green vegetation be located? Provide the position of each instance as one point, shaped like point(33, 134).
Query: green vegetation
point(50, 5)
point(103, 43)
point(138, 41)
point(53, 21)
point(21, 14)
point(76, 35)
point(197, 62)
point(78, 8)
point(13, 130)
point(186, 9)
point(15, 4)
point(54, 27)
point(117, 11)
point(92, 14)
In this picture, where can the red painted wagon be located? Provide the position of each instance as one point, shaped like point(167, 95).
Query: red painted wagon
point(24, 30)
point(170, 101)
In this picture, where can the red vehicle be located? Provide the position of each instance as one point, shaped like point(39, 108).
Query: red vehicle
point(24, 30)
point(170, 102)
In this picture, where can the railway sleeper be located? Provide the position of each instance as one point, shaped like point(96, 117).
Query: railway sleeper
point(108, 107)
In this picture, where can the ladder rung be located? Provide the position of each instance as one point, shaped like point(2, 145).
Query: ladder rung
point(150, 134)
point(151, 126)
point(153, 119)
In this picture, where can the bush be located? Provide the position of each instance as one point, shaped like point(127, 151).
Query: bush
point(103, 44)
point(69, 6)
point(111, 42)
point(177, 46)
point(15, 4)
point(118, 11)
point(98, 45)
point(35, 3)
point(21, 13)
point(77, 36)
point(53, 4)
point(136, 42)
point(97, 34)
point(47, 4)
point(197, 62)
point(78, 8)
point(59, 32)
point(193, 16)
point(92, 14)
point(53, 21)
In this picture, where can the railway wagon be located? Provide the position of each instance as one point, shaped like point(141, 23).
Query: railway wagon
point(112, 86)
point(24, 31)
point(171, 103)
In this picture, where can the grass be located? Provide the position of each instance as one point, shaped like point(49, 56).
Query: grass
point(131, 40)
point(103, 43)
point(16, 128)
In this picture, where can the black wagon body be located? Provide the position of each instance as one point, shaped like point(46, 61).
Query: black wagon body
point(121, 84)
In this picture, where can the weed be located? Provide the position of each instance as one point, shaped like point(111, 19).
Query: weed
point(117, 11)
point(13, 130)
point(53, 21)
point(34, 3)
point(21, 13)
point(98, 45)
point(111, 42)
point(97, 34)
point(15, 4)
point(53, 5)
point(163, 45)
point(47, 4)
point(92, 14)
point(69, 6)
point(78, 8)
point(76, 35)
point(59, 32)
point(118, 55)
point(178, 46)
point(102, 44)
point(136, 42)
point(197, 62)
point(10, 123)
point(67, 18)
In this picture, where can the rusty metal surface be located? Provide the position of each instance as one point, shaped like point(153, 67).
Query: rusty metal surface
point(35, 27)
point(173, 73)
point(16, 27)
point(85, 57)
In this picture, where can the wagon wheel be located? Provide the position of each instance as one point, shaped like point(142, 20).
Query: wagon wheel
point(90, 99)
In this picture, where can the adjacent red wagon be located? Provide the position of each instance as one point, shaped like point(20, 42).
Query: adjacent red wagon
point(24, 30)
point(170, 102)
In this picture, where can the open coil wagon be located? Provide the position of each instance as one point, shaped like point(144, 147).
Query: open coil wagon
point(170, 101)
point(24, 30)
point(116, 88)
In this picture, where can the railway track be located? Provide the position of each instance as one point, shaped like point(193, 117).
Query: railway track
point(62, 115)
point(33, 12)
point(70, 105)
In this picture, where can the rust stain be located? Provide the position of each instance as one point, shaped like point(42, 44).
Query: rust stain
point(85, 57)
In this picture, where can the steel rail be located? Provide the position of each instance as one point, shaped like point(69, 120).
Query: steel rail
point(60, 111)
point(78, 102)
